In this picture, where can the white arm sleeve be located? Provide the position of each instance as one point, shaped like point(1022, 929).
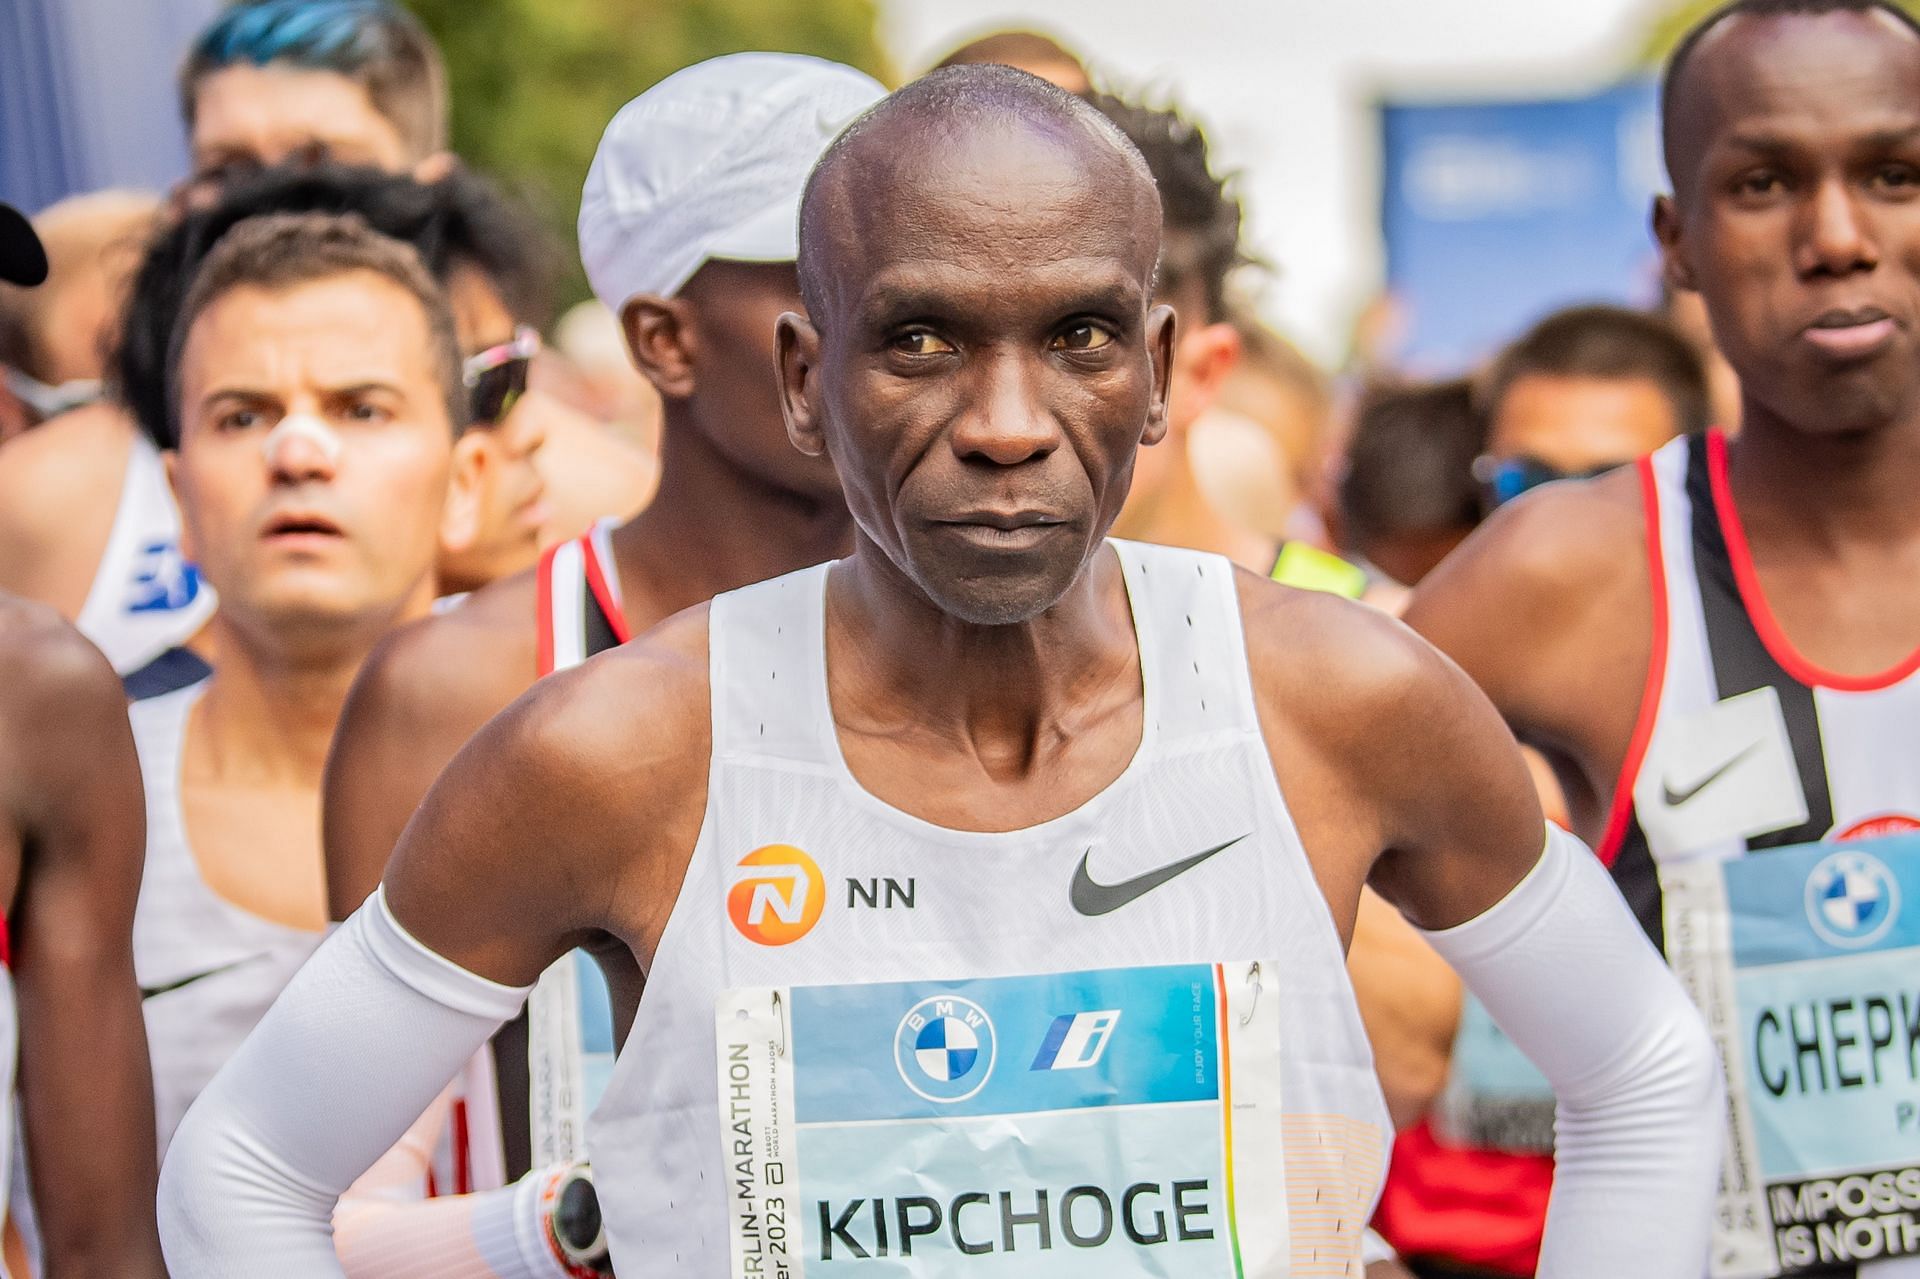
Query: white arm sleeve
point(1570, 977)
point(354, 1050)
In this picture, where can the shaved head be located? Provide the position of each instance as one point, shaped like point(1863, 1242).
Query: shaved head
point(1793, 141)
point(917, 130)
point(1686, 90)
point(982, 355)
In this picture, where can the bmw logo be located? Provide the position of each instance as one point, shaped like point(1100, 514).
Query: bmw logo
point(944, 1048)
point(1852, 898)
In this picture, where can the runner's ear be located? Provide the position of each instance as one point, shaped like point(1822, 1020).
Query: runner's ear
point(466, 491)
point(660, 336)
point(170, 459)
point(796, 358)
point(1674, 268)
point(1160, 339)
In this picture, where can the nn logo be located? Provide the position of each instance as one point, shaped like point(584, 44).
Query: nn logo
point(880, 894)
point(777, 895)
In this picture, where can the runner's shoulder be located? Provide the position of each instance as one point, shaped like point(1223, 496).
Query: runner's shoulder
point(627, 733)
point(455, 670)
point(76, 462)
point(1563, 543)
point(1338, 669)
point(45, 661)
point(58, 694)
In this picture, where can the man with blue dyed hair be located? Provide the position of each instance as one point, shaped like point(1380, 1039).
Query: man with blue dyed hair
point(307, 81)
point(86, 522)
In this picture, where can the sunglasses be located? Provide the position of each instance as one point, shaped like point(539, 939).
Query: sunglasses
point(496, 378)
point(1504, 478)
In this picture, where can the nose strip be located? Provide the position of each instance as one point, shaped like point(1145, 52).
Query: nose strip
point(306, 427)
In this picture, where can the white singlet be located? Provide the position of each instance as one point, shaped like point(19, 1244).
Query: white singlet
point(207, 968)
point(802, 879)
point(1766, 828)
point(145, 597)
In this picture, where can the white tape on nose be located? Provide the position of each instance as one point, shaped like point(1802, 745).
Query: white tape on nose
point(306, 427)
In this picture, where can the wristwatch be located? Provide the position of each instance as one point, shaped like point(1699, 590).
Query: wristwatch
point(573, 1221)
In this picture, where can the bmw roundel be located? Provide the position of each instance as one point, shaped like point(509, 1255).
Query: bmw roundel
point(1852, 898)
point(944, 1048)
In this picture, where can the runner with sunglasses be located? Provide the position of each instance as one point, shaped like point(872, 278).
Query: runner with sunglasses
point(1583, 391)
point(1719, 650)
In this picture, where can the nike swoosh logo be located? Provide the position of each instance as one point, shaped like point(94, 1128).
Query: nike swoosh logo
point(148, 992)
point(1675, 798)
point(1093, 899)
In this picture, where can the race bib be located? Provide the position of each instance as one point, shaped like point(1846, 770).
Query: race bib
point(1806, 963)
point(1124, 1122)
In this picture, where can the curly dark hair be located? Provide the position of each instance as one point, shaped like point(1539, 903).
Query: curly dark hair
point(461, 220)
point(1201, 215)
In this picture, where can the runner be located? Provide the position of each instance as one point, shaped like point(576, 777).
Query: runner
point(687, 230)
point(1581, 392)
point(87, 523)
point(69, 872)
point(481, 249)
point(1716, 648)
point(835, 816)
point(312, 461)
point(321, 537)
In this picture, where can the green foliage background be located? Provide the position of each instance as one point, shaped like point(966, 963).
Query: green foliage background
point(534, 82)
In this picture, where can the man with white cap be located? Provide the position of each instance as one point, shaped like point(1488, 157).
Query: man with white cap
point(689, 231)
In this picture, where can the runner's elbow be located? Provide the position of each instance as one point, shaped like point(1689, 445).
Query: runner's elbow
point(1674, 1083)
point(222, 1198)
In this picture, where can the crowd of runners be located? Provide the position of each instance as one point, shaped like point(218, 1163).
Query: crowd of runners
point(695, 789)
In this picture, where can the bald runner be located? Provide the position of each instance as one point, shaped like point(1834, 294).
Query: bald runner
point(993, 819)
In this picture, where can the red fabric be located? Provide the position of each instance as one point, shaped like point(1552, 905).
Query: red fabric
point(543, 611)
point(1621, 811)
point(597, 583)
point(1473, 1207)
point(1791, 660)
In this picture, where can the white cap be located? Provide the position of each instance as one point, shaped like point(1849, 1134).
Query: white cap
point(711, 163)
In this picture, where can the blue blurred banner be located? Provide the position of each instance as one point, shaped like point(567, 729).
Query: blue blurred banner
point(1496, 213)
point(87, 95)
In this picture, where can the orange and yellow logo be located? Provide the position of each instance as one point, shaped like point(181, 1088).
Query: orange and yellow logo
point(777, 895)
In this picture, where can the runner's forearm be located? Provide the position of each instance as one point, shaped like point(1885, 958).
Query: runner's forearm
point(1639, 1089)
point(372, 1028)
point(495, 1234)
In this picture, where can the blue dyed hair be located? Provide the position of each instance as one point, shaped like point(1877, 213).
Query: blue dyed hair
point(375, 43)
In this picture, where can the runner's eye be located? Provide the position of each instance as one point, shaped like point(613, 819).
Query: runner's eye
point(239, 420)
point(922, 342)
point(1085, 336)
point(1897, 177)
point(366, 412)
